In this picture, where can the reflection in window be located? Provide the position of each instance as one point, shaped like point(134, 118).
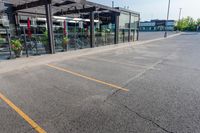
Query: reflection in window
point(123, 27)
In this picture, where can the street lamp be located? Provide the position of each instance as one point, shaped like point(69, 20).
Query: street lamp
point(179, 19)
point(180, 11)
point(167, 18)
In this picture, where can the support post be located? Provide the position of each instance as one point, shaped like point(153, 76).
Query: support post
point(165, 35)
point(113, 4)
point(48, 8)
point(25, 42)
point(8, 38)
point(116, 29)
point(129, 28)
point(179, 18)
point(92, 36)
point(138, 28)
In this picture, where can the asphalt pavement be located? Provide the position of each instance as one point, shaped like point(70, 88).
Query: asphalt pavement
point(143, 36)
point(146, 88)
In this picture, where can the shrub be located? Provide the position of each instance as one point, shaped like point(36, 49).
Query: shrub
point(16, 45)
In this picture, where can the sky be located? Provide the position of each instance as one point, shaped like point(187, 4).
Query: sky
point(157, 9)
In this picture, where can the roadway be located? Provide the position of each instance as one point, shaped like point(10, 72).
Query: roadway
point(146, 88)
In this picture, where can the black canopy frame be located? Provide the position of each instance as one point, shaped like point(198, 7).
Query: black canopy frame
point(51, 8)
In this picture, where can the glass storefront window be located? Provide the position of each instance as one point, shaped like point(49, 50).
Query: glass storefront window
point(105, 35)
point(124, 21)
point(123, 27)
point(134, 27)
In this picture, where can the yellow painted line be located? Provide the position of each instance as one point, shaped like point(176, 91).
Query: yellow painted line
point(22, 114)
point(86, 77)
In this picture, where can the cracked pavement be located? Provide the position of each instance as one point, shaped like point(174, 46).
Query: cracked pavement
point(163, 79)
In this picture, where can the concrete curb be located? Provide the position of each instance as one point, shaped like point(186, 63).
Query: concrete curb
point(11, 65)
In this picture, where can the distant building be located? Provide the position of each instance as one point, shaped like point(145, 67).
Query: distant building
point(157, 25)
point(147, 26)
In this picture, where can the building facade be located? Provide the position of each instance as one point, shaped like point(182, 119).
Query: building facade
point(158, 25)
point(85, 24)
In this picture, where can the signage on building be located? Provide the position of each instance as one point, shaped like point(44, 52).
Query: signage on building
point(160, 23)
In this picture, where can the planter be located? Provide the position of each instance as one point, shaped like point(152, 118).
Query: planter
point(18, 53)
point(47, 48)
point(65, 44)
point(17, 47)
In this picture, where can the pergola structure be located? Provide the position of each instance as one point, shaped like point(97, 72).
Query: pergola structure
point(51, 8)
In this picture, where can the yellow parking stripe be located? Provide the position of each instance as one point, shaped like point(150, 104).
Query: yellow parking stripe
point(22, 114)
point(86, 77)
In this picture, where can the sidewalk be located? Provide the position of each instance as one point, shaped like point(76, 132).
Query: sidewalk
point(11, 65)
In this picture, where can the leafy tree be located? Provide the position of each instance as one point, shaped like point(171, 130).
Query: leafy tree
point(198, 21)
point(187, 24)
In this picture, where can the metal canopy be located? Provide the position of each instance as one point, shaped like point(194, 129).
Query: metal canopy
point(25, 4)
point(75, 11)
point(59, 7)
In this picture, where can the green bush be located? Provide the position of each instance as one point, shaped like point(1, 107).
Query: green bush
point(16, 45)
point(187, 24)
point(44, 38)
point(65, 39)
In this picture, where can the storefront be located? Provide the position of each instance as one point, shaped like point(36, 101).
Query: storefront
point(128, 25)
point(84, 24)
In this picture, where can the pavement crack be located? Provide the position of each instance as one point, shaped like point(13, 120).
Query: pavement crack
point(144, 118)
point(109, 96)
point(147, 119)
point(133, 78)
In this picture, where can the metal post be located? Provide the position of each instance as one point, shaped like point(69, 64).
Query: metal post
point(129, 28)
point(116, 29)
point(8, 38)
point(92, 36)
point(179, 18)
point(167, 18)
point(113, 4)
point(75, 37)
point(25, 42)
point(36, 45)
point(180, 14)
point(48, 8)
point(138, 26)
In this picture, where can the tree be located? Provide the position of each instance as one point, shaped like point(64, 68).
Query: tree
point(191, 24)
point(198, 21)
point(186, 24)
point(198, 24)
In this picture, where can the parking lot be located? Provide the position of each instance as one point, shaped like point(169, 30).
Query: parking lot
point(144, 36)
point(147, 88)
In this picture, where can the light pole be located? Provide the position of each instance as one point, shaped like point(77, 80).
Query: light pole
point(180, 11)
point(167, 18)
point(179, 18)
point(113, 4)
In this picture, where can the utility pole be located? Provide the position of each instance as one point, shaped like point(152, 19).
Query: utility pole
point(167, 18)
point(179, 18)
point(113, 4)
point(180, 11)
